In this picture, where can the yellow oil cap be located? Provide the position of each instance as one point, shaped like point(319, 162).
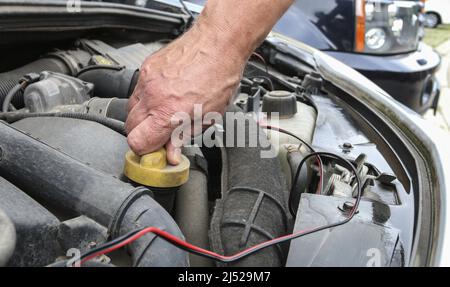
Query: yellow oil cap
point(152, 169)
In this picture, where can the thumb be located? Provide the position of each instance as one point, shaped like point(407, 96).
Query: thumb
point(149, 136)
point(173, 153)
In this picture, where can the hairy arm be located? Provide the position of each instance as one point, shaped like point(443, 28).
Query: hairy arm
point(202, 67)
point(241, 24)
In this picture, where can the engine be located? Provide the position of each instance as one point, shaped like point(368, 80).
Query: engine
point(69, 184)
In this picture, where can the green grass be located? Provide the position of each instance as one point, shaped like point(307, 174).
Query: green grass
point(437, 36)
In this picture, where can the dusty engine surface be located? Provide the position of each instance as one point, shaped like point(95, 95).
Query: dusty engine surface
point(62, 158)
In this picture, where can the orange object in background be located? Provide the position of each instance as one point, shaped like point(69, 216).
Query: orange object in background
point(360, 26)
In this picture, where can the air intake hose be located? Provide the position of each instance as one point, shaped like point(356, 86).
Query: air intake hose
point(110, 82)
point(253, 207)
point(57, 178)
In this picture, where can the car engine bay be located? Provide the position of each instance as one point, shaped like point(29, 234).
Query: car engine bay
point(63, 187)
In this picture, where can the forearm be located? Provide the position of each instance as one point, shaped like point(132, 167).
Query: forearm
point(240, 25)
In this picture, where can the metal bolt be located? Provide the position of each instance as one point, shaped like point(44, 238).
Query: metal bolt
point(347, 145)
point(347, 207)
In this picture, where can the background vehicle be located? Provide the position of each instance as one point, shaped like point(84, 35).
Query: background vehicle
point(63, 150)
point(380, 39)
point(437, 12)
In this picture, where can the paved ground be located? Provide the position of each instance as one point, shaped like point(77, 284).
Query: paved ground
point(442, 118)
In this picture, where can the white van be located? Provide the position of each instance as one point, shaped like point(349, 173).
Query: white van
point(437, 12)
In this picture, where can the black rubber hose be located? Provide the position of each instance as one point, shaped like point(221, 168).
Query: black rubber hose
point(113, 108)
point(110, 82)
point(113, 124)
point(58, 179)
point(9, 79)
point(7, 238)
point(118, 109)
point(253, 209)
point(36, 228)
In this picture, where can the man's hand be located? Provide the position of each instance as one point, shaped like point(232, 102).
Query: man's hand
point(203, 66)
point(189, 71)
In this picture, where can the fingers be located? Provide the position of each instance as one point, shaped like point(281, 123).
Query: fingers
point(173, 147)
point(145, 135)
point(136, 116)
point(148, 136)
point(173, 153)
